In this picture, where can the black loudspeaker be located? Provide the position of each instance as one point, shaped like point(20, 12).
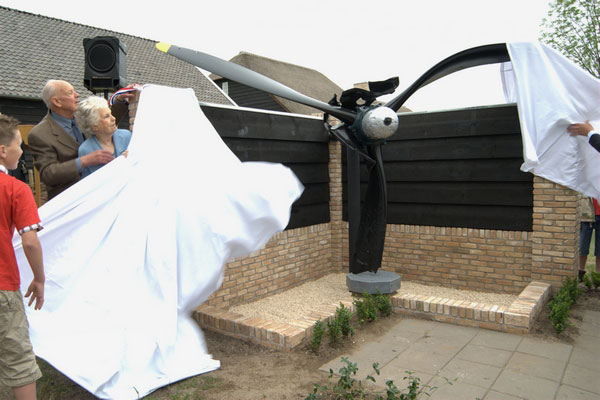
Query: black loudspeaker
point(105, 63)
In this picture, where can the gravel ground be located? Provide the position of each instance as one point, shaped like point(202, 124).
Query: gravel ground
point(300, 301)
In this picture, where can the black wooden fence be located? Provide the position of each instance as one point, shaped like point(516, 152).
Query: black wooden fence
point(457, 169)
point(297, 142)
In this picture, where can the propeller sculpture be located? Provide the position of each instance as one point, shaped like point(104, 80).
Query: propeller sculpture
point(363, 129)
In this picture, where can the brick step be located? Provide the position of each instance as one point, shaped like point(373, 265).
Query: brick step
point(519, 317)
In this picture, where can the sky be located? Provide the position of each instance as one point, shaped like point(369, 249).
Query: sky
point(349, 41)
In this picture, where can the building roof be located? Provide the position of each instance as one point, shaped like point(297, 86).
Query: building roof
point(304, 80)
point(35, 48)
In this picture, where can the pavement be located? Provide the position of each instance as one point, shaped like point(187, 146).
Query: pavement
point(483, 364)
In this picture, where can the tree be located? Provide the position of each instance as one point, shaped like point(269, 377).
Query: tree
point(572, 27)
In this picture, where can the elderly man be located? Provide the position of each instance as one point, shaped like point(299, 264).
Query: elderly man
point(55, 140)
point(586, 129)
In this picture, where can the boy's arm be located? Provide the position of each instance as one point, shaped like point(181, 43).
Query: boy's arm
point(33, 252)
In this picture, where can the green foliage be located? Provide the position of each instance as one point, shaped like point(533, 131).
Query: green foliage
point(595, 278)
point(334, 331)
point(344, 316)
point(587, 280)
point(560, 305)
point(572, 28)
point(384, 304)
point(348, 388)
point(317, 336)
point(366, 308)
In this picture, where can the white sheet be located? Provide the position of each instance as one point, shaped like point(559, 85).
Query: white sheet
point(132, 249)
point(552, 92)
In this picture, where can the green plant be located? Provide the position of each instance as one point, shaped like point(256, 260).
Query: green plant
point(595, 278)
point(560, 304)
point(572, 288)
point(366, 308)
point(559, 312)
point(317, 336)
point(344, 316)
point(384, 304)
point(334, 331)
point(587, 279)
point(349, 388)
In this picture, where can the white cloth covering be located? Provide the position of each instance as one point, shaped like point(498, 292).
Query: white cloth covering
point(552, 92)
point(132, 249)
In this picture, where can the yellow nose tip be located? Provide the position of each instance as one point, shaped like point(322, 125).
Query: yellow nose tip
point(164, 47)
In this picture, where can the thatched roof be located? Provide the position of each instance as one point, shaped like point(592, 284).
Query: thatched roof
point(304, 80)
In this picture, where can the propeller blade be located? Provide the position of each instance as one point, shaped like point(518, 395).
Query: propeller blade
point(342, 133)
point(488, 54)
point(250, 78)
point(368, 247)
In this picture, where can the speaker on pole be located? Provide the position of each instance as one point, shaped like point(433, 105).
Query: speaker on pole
point(105, 63)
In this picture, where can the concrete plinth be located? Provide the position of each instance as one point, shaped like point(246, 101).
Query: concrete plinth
point(385, 282)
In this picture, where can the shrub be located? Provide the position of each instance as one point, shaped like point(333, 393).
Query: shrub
point(559, 311)
point(366, 308)
point(384, 304)
point(334, 331)
point(560, 304)
point(344, 316)
point(317, 336)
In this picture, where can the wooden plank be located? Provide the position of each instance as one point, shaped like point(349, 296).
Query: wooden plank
point(477, 147)
point(314, 194)
point(278, 151)
point(310, 173)
point(461, 193)
point(451, 171)
point(477, 217)
point(309, 215)
point(480, 217)
point(459, 123)
point(236, 123)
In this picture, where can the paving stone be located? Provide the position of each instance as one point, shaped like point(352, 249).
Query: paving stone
point(493, 395)
point(497, 340)
point(470, 372)
point(566, 392)
point(401, 336)
point(455, 391)
point(415, 325)
point(542, 348)
point(587, 357)
point(583, 378)
point(400, 377)
point(591, 316)
point(440, 345)
point(421, 361)
point(525, 386)
point(587, 342)
point(484, 355)
point(541, 367)
point(591, 329)
point(450, 330)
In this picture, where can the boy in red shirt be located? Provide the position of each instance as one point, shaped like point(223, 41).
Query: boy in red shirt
point(18, 368)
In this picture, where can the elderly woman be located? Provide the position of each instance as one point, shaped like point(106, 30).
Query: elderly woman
point(96, 121)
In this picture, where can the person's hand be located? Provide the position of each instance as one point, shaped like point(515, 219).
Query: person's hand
point(125, 153)
point(581, 129)
point(96, 158)
point(125, 97)
point(35, 292)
